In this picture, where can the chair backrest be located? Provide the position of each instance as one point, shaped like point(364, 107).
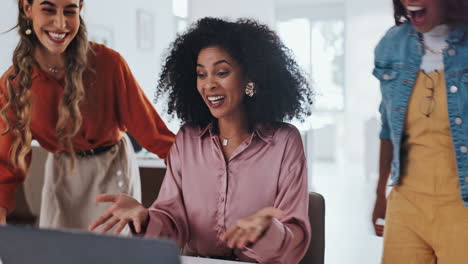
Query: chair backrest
point(316, 252)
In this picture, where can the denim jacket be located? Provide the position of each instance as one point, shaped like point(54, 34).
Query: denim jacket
point(397, 62)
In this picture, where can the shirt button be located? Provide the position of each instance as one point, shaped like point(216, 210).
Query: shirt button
point(386, 77)
point(452, 52)
point(119, 173)
point(453, 89)
point(458, 121)
point(120, 183)
point(222, 199)
point(464, 149)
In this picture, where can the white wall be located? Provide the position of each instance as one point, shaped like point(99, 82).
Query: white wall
point(8, 41)
point(262, 10)
point(121, 17)
point(366, 22)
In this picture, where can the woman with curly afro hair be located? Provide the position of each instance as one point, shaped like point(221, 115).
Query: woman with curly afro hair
point(236, 182)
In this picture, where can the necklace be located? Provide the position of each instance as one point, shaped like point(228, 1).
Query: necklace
point(421, 39)
point(226, 139)
point(54, 70)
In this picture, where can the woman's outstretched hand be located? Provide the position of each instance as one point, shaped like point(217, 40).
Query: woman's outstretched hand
point(124, 209)
point(379, 213)
point(248, 230)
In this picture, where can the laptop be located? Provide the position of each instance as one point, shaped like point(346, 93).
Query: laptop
point(20, 245)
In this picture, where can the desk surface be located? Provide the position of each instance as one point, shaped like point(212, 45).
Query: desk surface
point(151, 163)
point(197, 260)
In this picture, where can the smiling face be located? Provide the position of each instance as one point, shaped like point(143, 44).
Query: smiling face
point(221, 82)
point(55, 22)
point(425, 14)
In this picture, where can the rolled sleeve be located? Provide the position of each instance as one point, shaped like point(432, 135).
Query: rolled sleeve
point(10, 177)
point(7, 196)
point(138, 115)
point(9, 180)
point(271, 241)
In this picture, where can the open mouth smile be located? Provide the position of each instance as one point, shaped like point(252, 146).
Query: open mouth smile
point(57, 37)
point(417, 14)
point(215, 101)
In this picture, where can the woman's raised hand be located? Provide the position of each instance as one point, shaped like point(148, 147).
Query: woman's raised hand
point(248, 230)
point(124, 209)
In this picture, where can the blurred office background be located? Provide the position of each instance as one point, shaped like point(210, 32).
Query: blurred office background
point(333, 40)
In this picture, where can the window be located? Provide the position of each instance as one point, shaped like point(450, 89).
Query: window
point(180, 11)
point(316, 34)
point(318, 45)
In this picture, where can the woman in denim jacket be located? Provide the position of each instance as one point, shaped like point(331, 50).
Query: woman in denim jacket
point(422, 65)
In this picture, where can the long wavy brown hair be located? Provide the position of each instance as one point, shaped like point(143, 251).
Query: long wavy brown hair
point(456, 12)
point(17, 111)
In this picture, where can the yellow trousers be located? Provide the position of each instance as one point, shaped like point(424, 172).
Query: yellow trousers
point(421, 231)
point(426, 221)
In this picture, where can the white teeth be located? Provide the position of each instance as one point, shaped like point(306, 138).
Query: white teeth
point(215, 98)
point(414, 8)
point(57, 36)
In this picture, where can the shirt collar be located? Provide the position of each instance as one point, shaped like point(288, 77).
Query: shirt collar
point(208, 128)
point(456, 34)
point(37, 72)
point(263, 132)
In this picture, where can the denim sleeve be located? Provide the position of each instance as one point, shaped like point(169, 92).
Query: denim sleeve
point(381, 49)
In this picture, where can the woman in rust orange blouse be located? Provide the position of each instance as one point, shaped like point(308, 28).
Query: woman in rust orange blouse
point(76, 99)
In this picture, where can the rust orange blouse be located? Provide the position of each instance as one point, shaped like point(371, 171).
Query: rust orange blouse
point(114, 103)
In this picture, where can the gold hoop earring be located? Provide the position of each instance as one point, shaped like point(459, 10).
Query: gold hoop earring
point(250, 89)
